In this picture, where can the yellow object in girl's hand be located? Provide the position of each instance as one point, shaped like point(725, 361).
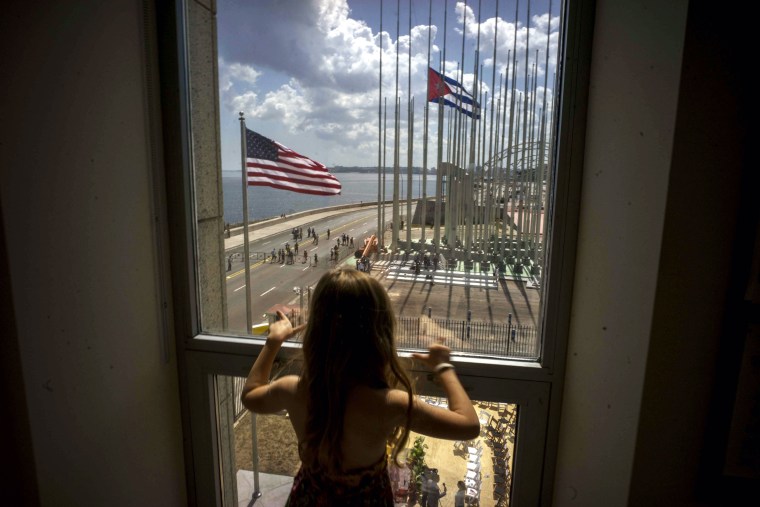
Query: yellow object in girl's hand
point(260, 329)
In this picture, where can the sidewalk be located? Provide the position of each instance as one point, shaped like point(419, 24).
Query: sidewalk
point(266, 228)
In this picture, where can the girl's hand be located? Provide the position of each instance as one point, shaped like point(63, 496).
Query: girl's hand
point(282, 329)
point(436, 355)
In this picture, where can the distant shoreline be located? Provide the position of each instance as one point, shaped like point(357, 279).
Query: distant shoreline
point(356, 170)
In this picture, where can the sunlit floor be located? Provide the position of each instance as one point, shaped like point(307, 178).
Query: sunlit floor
point(274, 489)
point(454, 462)
point(488, 469)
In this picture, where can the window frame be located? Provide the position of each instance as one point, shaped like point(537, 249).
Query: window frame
point(535, 386)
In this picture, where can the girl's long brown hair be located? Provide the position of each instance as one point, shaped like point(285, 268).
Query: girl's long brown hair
point(349, 341)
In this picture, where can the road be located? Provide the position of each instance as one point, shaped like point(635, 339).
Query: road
point(273, 283)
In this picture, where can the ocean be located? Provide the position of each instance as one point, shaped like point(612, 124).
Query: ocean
point(265, 202)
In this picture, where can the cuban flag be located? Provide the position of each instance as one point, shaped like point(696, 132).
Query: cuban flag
point(452, 93)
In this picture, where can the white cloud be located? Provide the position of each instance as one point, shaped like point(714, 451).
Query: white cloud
point(504, 33)
point(316, 75)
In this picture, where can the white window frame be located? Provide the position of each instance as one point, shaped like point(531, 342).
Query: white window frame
point(535, 386)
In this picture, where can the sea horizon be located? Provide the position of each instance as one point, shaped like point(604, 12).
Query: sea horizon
point(266, 202)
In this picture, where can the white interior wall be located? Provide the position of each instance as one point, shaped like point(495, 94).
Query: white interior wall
point(635, 72)
point(76, 195)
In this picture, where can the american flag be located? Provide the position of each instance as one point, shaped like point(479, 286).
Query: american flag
point(271, 164)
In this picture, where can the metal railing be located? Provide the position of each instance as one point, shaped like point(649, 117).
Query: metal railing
point(472, 337)
point(517, 341)
point(500, 339)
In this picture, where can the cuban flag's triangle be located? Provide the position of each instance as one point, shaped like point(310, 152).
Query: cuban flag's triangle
point(452, 93)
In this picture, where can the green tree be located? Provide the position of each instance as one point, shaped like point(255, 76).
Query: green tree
point(417, 465)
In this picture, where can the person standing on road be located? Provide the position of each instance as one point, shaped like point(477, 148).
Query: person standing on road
point(328, 233)
point(315, 258)
point(434, 492)
point(459, 497)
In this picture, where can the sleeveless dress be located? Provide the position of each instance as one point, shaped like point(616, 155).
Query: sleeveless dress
point(369, 486)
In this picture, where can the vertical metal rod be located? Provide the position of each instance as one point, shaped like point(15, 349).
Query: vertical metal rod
point(248, 316)
point(521, 210)
point(510, 166)
point(439, 169)
point(381, 232)
point(491, 148)
point(410, 129)
point(410, 144)
point(243, 152)
point(423, 200)
point(396, 146)
point(380, 168)
point(255, 452)
point(543, 178)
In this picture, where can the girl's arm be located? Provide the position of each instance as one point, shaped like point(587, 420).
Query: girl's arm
point(259, 395)
point(459, 421)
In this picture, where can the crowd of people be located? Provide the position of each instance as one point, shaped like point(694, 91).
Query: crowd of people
point(288, 254)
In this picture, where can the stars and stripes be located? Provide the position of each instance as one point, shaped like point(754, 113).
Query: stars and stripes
point(270, 164)
point(452, 93)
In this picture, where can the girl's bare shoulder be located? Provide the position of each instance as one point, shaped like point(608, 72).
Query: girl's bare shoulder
point(397, 402)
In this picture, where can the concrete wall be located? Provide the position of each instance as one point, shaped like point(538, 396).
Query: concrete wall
point(669, 214)
point(76, 193)
point(635, 74)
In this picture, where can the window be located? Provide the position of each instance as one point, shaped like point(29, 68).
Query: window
point(503, 361)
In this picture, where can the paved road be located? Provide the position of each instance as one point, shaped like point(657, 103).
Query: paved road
point(273, 283)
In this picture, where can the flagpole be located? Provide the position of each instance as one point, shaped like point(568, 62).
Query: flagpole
point(491, 144)
point(534, 156)
point(542, 177)
point(248, 316)
point(410, 129)
point(410, 159)
point(510, 141)
point(480, 162)
point(385, 155)
point(395, 218)
point(521, 209)
point(503, 155)
point(380, 168)
point(423, 215)
point(497, 171)
point(439, 169)
point(243, 149)
point(529, 174)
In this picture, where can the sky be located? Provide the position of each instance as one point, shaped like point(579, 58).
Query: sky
point(306, 72)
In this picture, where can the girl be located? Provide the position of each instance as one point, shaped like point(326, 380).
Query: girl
point(352, 397)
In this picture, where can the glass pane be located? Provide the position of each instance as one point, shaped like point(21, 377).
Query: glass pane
point(454, 194)
point(484, 465)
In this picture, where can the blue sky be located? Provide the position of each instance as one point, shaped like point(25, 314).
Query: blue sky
point(305, 72)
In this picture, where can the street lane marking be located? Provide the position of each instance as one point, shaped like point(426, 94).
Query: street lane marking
point(267, 292)
point(239, 288)
point(266, 242)
point(238, 273)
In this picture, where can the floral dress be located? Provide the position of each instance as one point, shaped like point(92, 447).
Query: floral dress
point(370, 486)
